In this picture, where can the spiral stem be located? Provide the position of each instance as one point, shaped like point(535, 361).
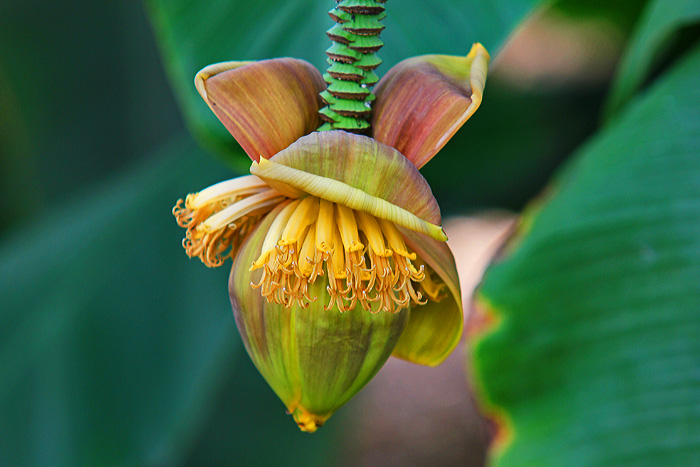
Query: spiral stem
point(352, 60)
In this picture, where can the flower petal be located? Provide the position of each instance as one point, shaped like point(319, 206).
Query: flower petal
point(358, 172)
point(266, 105)
point(433, 329)
point(423, 101)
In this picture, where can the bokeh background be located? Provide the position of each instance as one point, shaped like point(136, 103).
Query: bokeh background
point(115, 349)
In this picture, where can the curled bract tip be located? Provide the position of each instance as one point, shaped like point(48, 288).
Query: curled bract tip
point(423, 101)
point(335, 191)
point(357, 172)
point(212, 70)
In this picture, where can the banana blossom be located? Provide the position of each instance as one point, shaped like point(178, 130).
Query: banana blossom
point(339, 257)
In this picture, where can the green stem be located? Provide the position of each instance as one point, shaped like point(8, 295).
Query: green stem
point(352, 60)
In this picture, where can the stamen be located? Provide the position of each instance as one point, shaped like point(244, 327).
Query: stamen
point(237, 187)
point(370, 227)
point(306, 255)
point(380, 274)
point(353, 250)
point(336, 273)
point(218, 218)
point(283, 280)
point(337, 256)
point(429, 286)
point(274, 233)
point(395, 239)
point(308, 233)
point(325, 223)
point(267, 198)
point(304, 215)
point(348, 229)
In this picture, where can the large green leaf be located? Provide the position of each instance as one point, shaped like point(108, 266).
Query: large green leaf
point(115, 346)
point(623, 14)
point(505, 153)
point(592, 354)
point(194, 34)
point(79, 98)
point(659, 25)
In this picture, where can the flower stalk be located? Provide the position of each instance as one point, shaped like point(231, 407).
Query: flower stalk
point(352, 60)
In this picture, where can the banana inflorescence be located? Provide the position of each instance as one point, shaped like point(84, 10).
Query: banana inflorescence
point(352, 59)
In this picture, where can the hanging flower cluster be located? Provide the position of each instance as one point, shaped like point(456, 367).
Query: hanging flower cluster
point(338, 252)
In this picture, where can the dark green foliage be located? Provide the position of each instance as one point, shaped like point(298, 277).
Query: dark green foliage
point(593, 356)
point(603, 286)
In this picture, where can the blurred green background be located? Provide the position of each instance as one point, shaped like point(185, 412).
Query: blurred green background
point(115, 349)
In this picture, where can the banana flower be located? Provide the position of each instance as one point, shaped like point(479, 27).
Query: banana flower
point(339, 257)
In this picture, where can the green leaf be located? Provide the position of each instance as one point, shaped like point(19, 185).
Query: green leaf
point(623, 14)
point(116, 346)
point(659, 26)
point(193, 34)
point(20, 193)
point(592, 356)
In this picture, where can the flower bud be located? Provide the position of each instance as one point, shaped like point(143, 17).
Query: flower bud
point(314, 359)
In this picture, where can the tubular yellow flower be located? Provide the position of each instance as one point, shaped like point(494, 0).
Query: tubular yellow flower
point(293, 258)
point(330, 224)
point(338, 252)
point(218, 218)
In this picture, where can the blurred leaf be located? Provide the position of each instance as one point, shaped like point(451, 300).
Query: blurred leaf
point(622, 13)
point(592, 356)
point(505, 153)
point(21, 189)
point(82, 95)
point(659, 25)
point(116, 346)
point(194, 34)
